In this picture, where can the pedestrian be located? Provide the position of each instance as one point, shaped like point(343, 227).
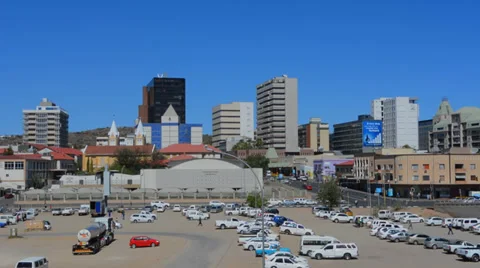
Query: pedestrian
point(123, 214)
point(200, 222)
point(450, 231)
point(356, 203)
point(109, 213)
point(410, 226)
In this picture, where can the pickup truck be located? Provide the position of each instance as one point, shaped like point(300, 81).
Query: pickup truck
point(232, 211)
point(244, 238)
point(269, 249)
point(452, 248)
point(156, 204)
point(149, 214)
point(231, 223)
point(469, 254)
point(245, 227)
point(295, 229)
point(68, 211)
point(274, 202)
point(84, 210)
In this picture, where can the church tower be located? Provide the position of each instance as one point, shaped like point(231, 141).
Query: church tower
point(113, 135)
point(139, 135)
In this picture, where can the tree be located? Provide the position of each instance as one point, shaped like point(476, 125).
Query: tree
point(258, 161)
point(8, 151)
point(330, 193)
point(207, 139)
point(132, 161)
point(406, 146)
point(255, 200)
point(248, 145)
point(37, 181)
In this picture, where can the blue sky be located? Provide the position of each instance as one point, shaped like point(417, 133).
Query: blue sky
point(93, 57)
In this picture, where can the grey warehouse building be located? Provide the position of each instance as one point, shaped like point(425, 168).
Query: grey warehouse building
point(205, 174)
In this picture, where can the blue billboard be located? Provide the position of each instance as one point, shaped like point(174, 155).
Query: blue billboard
point(372, 133)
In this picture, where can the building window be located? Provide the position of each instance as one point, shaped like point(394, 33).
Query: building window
point(9, 165)
point(441, 166)
point(18, 165)
point(400, 177)
point(426, 166)
point(442, 178)
point(414, 167)
point(415, 178)
point(379, 167)
point(473, 178)
point(390, 167)
point(400, 166)
point(426, 178)
point(473, 166)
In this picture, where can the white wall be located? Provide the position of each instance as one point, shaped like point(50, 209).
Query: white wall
point(291, 114)
point(148, 134)
point(11, 178)
point(117, 179)
point(246, 120)
point(196, 135)
point(169, 135)
point(400, 123)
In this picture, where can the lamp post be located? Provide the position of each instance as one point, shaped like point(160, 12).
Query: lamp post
point(262, 196)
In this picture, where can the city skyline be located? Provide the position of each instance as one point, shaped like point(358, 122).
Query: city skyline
point(95, 72)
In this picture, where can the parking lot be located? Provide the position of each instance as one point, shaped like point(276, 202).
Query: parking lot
point(184, 244)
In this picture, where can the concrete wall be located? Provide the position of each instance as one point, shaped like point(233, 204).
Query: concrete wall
point(11, 178)
point(291, 114)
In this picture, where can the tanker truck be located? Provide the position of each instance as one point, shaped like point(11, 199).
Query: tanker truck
point(93, 238)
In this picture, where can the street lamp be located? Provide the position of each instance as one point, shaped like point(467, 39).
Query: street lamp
point(262, 196)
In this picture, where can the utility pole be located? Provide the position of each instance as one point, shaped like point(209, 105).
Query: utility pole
point(384, 192)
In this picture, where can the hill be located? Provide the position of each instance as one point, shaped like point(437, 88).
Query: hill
point(82, 138)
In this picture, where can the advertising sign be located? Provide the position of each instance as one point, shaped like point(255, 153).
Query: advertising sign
point(372, 133)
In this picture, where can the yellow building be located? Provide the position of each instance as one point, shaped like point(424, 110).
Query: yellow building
point(99, 156)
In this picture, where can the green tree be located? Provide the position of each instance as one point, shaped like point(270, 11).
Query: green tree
point(330, 193)
point(248, 145)
point(37, 181)
point(207, 139)
point(258, 161)
point(255, 200)
point(8, 151)
point(406, 146)
point(132, 161)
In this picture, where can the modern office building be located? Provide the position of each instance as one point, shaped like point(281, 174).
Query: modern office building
point(347, 137)
point(46, 125)
point(377, 107)
point(424, 128)
point(171, 131)
point(314, 135)
point(158, 95)
point(232, 120)
point(277, 113)
point(400, 122)
point(455, 129)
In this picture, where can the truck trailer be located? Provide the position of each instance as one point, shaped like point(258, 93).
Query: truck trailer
point(94, 237)
point(97, 209)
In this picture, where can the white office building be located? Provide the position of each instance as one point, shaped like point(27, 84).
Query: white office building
point(277, 113)
point(400, 122)
point(377, 108)
point(46, 125)
point(232, 121)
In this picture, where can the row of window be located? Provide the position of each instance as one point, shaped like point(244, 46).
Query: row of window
point(13, 165)
point(426, 166)
point(441, 178)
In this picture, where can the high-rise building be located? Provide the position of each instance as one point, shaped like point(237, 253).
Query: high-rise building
point(455, 129)
point(377, 108)
point(424, 128)
point(158, 95)
point(314, 135)
point(46, 125)
point(400, 122)
point(347, 137)
point(232, 120)
point(277, 113)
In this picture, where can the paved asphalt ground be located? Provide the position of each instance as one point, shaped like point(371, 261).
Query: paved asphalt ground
point(184, 244)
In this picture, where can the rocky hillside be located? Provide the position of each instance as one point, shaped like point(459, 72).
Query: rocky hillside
point(82, 138)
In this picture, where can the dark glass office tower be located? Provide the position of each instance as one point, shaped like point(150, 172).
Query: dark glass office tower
point(160, 93)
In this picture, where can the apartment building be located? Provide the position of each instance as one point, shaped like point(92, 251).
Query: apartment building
point(314, 135)
point(424, 129)
point(46, 125)
point(459, 129)
point(277, 113)
point(400, 122)
point(232, 121)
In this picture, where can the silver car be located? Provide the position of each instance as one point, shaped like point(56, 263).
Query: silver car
point(435, 242)
point(398, 237)
point(417, 239)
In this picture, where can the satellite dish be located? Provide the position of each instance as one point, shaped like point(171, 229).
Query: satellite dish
point(320, 148)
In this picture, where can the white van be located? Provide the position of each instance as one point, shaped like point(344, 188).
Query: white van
point(309, 243)
point(469, 222)
point(33, 262)
point(8, 219)
point(384, 214)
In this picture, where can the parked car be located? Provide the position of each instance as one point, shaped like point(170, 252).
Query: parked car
point(231, 223)
point(140, 218)
point(434, 221)
point(216, 203)
point(446, 222)
point(383, 214)
point(274, 202)
point(336, 251)
point(471, 254)
point(84, 210)
point(285, 262)
point(308, 187)
point(398, 237)
point(341, 217)
point(452, 247)
point(435, 242)
point(143, 241)
point(412, 218)
point(56, 212)
point(177, 208)
point(295, 229)
point(269, 248)
point(68, 211)
point(149, 214)
point(157, 203)
point(286, 254)
point(417, 239)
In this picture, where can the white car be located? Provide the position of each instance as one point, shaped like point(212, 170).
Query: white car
point(274, 202)
point(155, 204)
point(446, 222)
point(383, 235)
point(296, 229)
point(161, 209)
point(310, 202)
point(177, 208)
point(149, 214)
point(198, 215)
point(286, 254)
point(341, 217)
point(284, 262)
point(256, 242)
point(374, 231)
point(68, 211)
point(84, 210)
point(56, 212)
point(216, 203)
point(434, 221)
point(412, 218)
point(135, 218)
point(335, 251)
point(324, 214)
point(118, 225)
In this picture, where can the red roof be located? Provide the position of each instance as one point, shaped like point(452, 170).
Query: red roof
point(37, 146)
point(111, 150)
point(22, 157)
point(2, 150)
point(180, 158)
point(66, 150)
point(61, 156)
point(187, 149)
point(346, 163)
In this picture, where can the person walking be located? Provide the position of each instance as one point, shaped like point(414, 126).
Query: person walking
point(450, 231)
point(200, 222)
point(410, 226)
point(356, 203)
point(123, 214)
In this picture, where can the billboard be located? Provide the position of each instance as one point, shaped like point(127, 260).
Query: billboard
point(372, 133)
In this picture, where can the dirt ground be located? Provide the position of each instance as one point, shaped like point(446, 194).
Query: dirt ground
point(184, 244)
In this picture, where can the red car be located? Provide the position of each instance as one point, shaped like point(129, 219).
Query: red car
point(9, 196)
point(308, 187)
point(143, 241)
